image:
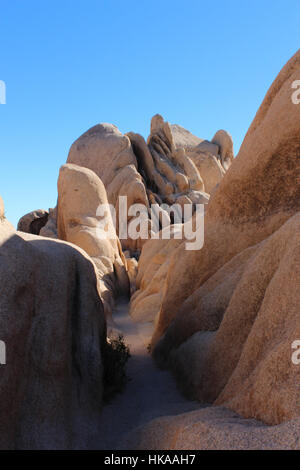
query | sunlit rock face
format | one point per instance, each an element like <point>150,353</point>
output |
<point>80,194</point>
<point>167,169</point>
<point>33,222</point>
<point>107,152</point>
<point>229,312</point>
<point>53,326</point>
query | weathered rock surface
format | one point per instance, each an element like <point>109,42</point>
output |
<point>33,222</point>
<point>225,144</point>
<point>184,138</point>
<point>109,154</point>
<point>151,276</point>
<point>80,193</point>
<point>132,271</point>
<point>214,428</point>
<point>167,170</point>
<point>152,173</point>
<point>173,164</point>
<point>209,167</point>
<point>212,158</point>
<point>50,229</point>
<point>53,325</point>
<point>229,311</point>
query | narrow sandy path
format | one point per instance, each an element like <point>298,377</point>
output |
<point>150,392</point>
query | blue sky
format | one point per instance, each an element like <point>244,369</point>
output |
<point>69,65</point>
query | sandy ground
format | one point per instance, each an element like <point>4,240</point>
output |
<point>150,392</point>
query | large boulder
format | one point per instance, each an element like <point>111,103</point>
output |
<point>33,222</point>
<point>212,428</point>
<point>53,326</point>
<point>211,158</point>
<point>229,312</point>
<point>80,194</point>
<point>209,167</point>
<point>167,170</point>
<point>183,138</point>
<point>156,172</point>
<point>50,228</point>
<point>172,163</point>
<point>225,144</point>
<point>170,175</point>
<point>151,275</point>
<point>106,151</point>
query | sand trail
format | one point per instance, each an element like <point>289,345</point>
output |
<point>150,392</point>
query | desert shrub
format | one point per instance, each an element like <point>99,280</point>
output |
<point>116,355</point>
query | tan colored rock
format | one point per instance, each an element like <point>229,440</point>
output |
<point>190,151</point>
<point>132,270</point>
<point>147,167</point>
<point>52,322</point>
<point>107,152</point>
<point>225,143</point>
<point>208,147</point>
<point>258,370</point>
<point>170,162</point>
<point>209,167</point>
<point>151,276</point>
<point>230,309</point>
<point>80,193</point>
<point>213,428</point>
<point>170,175</point>
<point>50,229</point>
<point>33,222</point>
<point>129,167</point>
<point>1,208</point>
<point>184,138</point>
<point>193,176</point>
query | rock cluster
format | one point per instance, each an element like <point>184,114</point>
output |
<point>33,222</point>
<point>53,325</point>
<point>227,315</point>
<point>102,166</point>
<point>173,167</point>
<point>223,317</point>
<point>77,223</point>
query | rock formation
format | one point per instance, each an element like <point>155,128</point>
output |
<point>229,312</point>
<point>33,222</point>
<point>78,223</point>
<point>212,158</point>
<point>213,428</point>
<point>108,153</point>
<point>50,229</point>
<point>53,326</point>
<point>156,172</point>
<point>183,138</point>
<point>150,279</point>
<point>223,317</point>
<point>225,144</point>
<point>173,167</point>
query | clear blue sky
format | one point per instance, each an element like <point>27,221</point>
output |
<point>69,65</point>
